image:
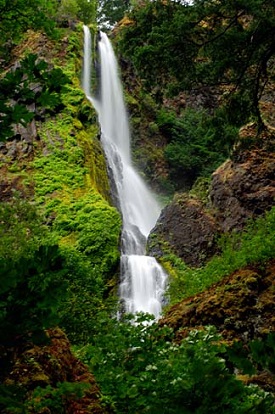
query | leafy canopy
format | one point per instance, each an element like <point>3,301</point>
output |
<point>197,143</point>
<point>174,43</point>
<point>20,15</point>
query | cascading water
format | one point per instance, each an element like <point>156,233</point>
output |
<point>142,278</point>
<point>86,81</point>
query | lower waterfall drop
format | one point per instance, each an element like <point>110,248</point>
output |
<point>143,281</point>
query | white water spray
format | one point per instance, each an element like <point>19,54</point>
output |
<point>142,278</point>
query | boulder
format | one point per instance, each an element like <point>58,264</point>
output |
<point>188,230</point>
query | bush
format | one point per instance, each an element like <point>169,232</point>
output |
<point>140,370</point>
<point>198,143</point>
<point>32,271</point>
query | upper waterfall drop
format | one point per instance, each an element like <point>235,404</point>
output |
<point>87,64</point>
<point>142,278</point>
<point>137,204</point>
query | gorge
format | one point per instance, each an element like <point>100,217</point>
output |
<point>196,137</point>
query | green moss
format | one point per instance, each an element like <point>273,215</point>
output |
<point>72,189</point>
<point>200,189</point>
<point>94,161</point>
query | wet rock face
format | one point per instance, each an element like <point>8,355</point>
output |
<point>188,230</point>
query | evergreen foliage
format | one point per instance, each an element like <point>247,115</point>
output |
<point>18,16</point>
<point>197,144</point>
<point>111,11</point>
<point>171,42</point>
<point>82,10</point>
<point>177,49</point>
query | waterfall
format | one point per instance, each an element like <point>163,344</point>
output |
<point>86,81</point>
<point>142,278</point>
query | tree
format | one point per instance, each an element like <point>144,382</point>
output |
<point>195,147</point>
<point>111,11</point>
<point>83,10</point>
<point>183,46</point>
<point>87,10</point>
<point>245,29</point>
<point>68,9</point>
<point>18,16</point>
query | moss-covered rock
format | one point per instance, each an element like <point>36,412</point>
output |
<point>241,307</point>
<point>57,163</point>
<point>50,377</point>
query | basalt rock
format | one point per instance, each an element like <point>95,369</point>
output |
<point>187,228</point>
<point>242,188</point>
<point>241,306</point>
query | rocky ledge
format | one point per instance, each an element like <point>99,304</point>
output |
<point>241,307</point>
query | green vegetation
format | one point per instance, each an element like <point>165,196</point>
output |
<point>59,249</point>
<point>141,370</point>
<point>111,11</point>
<point>181,47</point>
<point>18,85</point>
<point>49,398</point>
<point>18,16</point>
<point>105,12</point>
<point>255,245</point>
<point>82,10</point>
<point>32,273</point>
<point>71,192</point>
<point>177,52</point>
<point>55,398</point>
<point>194,146</point>
<point>71,187</point>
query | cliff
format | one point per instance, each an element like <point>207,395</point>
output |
<point>53,191</point>
<point>241,304</point>
<point>241,189</point>
<point>54,188</point>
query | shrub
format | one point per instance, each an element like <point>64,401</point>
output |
<point>140,370</point>
<point>32,271</point>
